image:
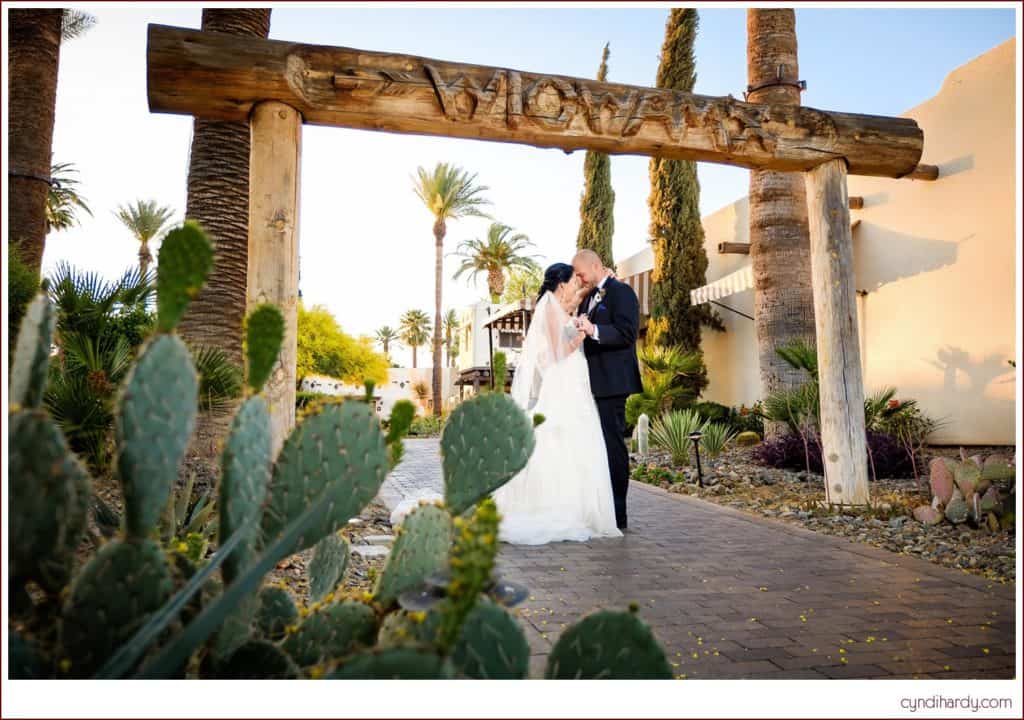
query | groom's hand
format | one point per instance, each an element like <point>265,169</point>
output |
<point>584,324</point>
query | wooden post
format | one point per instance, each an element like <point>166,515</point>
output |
<point>844,453</point>
<point>274,243</point>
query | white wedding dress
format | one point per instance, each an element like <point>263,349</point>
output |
<point>564,492</point>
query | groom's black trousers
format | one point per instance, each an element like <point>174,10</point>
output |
<point>612,411</point>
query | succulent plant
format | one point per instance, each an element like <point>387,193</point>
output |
<point>964,491</point>
<point>941,478</point>
<point>32,355</point>
<point>184,262</point>
<point>24,659</point>
<point>420,549</point>
<point>957,511</point>
<point>404,628</point>
<point>327,568</point>
<point>393,664</point>
<point>258,660</point>
<point>276,612</point>
<point>470,564</point>
<point>331,632</point>
<point>927,515</point>
<point>264,333</point>
<point>491,646</point>
<point>486,441</point>
<point>607,645</point>
<point>747,438</point>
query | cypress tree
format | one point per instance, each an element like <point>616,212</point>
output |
<point>677,236</point>
<point>597,205</point>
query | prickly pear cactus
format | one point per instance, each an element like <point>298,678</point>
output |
<point>491,646</point>
<point>276,612</point>
<point>404,628</point>
<point>420,549</point>
<point>486,441</point>
<point>336,456</point>
<point>927,515</point>
<point>957,511</point>
<point>608,645</point>
<point>990,501</point>
<point>471,563</point>
<point>110,599</point>
<point>941,478</point>
<point>50,494</point>
<point>264,334</point>
<point>967,475</point>
<point>258,660</point>
<point>32,355</point>
<point>327,568</point>
<point>157,411</point>
<point>245,474</point>
<point>24,659</point>
<point>393,664</point>
<point>332,632</point>
<point>183,264</point>
<point>997,468</point>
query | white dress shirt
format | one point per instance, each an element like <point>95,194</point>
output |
<point>593,304</point>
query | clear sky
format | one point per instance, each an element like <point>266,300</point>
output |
<point>365,239</point>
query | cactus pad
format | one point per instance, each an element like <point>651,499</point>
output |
<point>156,414</point>
<point>957,511</point>
<point>927,515</point>
<point>24,660</point>
<point>264,332</point>
<point>402,628</point>
<point>50,492</point>
<point>608,645</point>
<point>336,456</point>
<point>258,660</point>
<point>332,632</point>
<point>967,475</point>
<point>393,664</point>
<point>245,474</point>
<point>420,550</point>
<point>486,441</point>
<point>327,568</point>
<point>184,262</point>
<point>941,478</point>
<point>32,354</point>
<point>276,612</point>
<point>491,645</point>
<point>997,468</point>
<point>110,599</point>
<point>990,501</point>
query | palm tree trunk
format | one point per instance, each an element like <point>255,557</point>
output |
<point>779,239</point>
<point>32,61</point>
<point>496,284</point>
<point>439,232</point>
<point>145,258</point>
<point>414,357</point>
<point>218,198</point>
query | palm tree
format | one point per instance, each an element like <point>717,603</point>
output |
<point>63,201</point>
<point>502,251</point>
<point>451,329</point>
<point>779,238</point>
<point>218,199</point>
<point>33,59</point>
<point>450,193</point>
<point>415,330</point>
<point>32,62</point>
<point>387,336</point>
<point>146,220</point>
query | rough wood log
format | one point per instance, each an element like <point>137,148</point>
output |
<point>923,172</point>
<point>274,243</point>
<point>841,388</point>
<point>221,77</point>
<point>856,202</point>
<point>733,248</point>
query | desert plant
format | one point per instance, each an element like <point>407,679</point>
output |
<point>500,371</point>
<point>63,201</point>
<point>664,370</point>
<point>146,220</point>
<point>415,331</point>
<point>672,431</point>
<point>981,491</point>
<point>715,437</point>
<point>502,252</point>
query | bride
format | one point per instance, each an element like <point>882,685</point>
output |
<point>564,492</point>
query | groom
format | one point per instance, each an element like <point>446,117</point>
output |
<point>610,317</point>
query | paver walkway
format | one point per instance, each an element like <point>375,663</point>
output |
<point>732,595</point>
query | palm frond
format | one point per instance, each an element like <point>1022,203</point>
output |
<point>800,355</point>
<point>63,201</point>
<point>220,380</point>
<point>145,219</point>
<point>449,192</point>
<point>75,23</point>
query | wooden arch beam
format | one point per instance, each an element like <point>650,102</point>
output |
<point>221,77</point>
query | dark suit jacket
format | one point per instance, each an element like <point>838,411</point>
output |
<point>614,370</point>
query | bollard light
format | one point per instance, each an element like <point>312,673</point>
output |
<point>695,437</point>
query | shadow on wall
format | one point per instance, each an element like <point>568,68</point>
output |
<point>953,360</point>
<point>905,255</point>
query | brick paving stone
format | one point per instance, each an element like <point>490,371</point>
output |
<point>696,569</point>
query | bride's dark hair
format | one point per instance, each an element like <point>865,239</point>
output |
<point>554,276</point>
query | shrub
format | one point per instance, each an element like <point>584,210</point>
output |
<point>789,452</point>
<point>748,419</point>
<point>715,437</point>
<point>713,412</point>
<point>671,432</point>
<point>427,426</point>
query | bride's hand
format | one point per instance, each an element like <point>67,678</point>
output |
<point>577,341</point>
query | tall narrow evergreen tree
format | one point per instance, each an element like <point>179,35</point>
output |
<point>680,262</point>
<point>597,205</point>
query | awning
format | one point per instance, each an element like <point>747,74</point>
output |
<point>742,279</point>
<point>514,317</point>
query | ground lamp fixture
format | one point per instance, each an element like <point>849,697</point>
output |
<point>695,437</point>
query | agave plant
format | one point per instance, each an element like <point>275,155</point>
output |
<point>672,431</point>
<point>663,369</point>
<point>714,438</point>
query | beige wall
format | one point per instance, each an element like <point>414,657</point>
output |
<point>937,260</point>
